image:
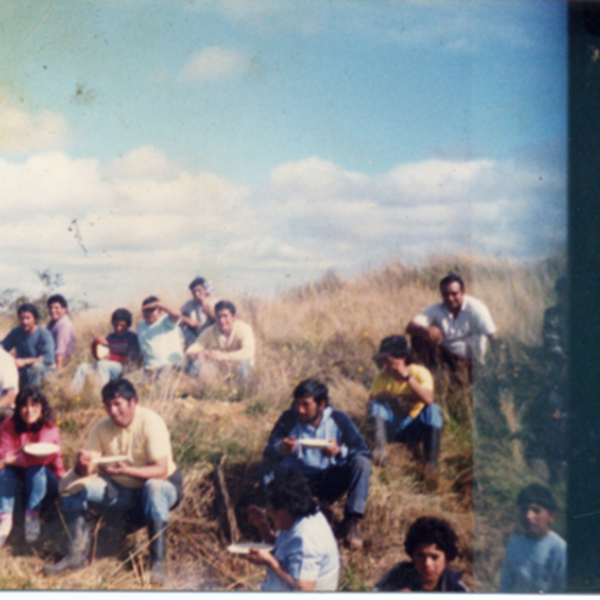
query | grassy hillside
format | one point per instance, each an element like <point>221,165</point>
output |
<point>330,330</point>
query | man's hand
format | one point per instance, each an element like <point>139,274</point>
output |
<point>100,340</point>
<point>120,468</point>
<point>216,355</point>
<point>83,464</point>
<point>288,445</point>
<point>332,450</point>
<point>25,362</point>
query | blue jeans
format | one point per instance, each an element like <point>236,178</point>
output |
<point>328,485</point>
<point>33,374</point>
<point>155,498</point>
<point>406,429</point>
<point>40,482</point>
<point>106,370</point>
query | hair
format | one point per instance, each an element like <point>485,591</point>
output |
<point>312,388</point>
<point>30,308</point>
<point>121,314</point>
<point>197,281</point>
<point>536,493</point>
<point>38,397</point>
<point>452,278</point>
<point>396,346</point>
<point>118,387</point>
<point>225,305</point>
<point>431,530</point>
<point>289,489</point>
<point>57,298</point>
<point>149,300</point>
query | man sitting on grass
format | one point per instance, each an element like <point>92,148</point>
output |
<point>160,338</point>
<point>123,352</point>
<point>229,342</point>
<point>62,330</point>
<point>338,465</point>
<point>536,560</point>
<point>34,347</point>
<point>198,313</point>
<point>431,544</point>
<point>459,326</point>
<point>402,407</point>
<point>145,485</point>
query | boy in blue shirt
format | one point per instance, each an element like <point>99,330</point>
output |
<point>535,561</point>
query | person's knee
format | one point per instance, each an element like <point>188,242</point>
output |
<point>360,462</point>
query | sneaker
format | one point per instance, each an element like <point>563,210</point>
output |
<point>6,522</point>
<point>32,527</point>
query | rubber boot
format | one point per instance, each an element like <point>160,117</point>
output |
<point>431,446</point>
<point>79,547</point>
<point>349,529</point>
<point>380,452</point>
<point>157,532</point>
<point>431,450</point>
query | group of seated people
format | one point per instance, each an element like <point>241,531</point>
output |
<point>314,455</point>
<point>204,338</point>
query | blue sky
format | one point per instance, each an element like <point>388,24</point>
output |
<point>262,143</point>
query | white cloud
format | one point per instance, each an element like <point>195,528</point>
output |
<point>214,63</point>
<point>21,132</point>
<point>147,223</point>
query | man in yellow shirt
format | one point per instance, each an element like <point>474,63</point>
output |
<point>402,407</point>
<point>228,343</point>
<point>142,484</point>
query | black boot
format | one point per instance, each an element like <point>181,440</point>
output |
<point>349,530</point>
<point>431,446</point>
<point>380,453</point>
<point>79,547</point>
<point>157,533</point>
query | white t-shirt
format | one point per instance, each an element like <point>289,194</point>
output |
<point>161,343</point>
<point>9,376</point>
<point>466,335</point>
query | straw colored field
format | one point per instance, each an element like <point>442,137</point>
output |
<point>330,330</point>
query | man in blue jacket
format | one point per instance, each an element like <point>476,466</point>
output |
<point>324,444</point>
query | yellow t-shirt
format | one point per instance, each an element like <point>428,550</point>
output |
<point>384,382</point>
<point>145,440</point>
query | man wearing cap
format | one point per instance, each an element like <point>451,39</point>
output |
<point>402,407</point>
<point>460,326</point>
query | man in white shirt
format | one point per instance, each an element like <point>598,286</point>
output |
<point>460,326</point>
<point>9,381</point>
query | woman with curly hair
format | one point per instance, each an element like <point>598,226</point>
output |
<point>31,423</point>
<point>431,543</point>
<point>305,556</point>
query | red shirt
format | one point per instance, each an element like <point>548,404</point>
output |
<point>11,442</point>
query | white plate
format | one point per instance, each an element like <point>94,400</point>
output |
<point>244,547</point>
<point>314,443</point>
<point>106,460</point>
<point>101,351</point>
<point>41,449</point>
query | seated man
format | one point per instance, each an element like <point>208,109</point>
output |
<point>147,484</point>
<point>34,347</point>
<point>123,348</point>
<point>9,381</point>
<point>161,340</point>
<point>62,330</point>
<point>199,312</point>
<point>341,464</point>
<point>401,405</point>
<point>229,342</point>
<point>431,544</point>
<point>460,325</point>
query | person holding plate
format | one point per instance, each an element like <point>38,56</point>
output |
<point>327,448</point>
<point>30,453</point>
<point>139,482</point>
<point>305,554</point>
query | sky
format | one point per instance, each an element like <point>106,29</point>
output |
<point>261,144</point>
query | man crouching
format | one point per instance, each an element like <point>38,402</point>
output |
<point>146,483</point>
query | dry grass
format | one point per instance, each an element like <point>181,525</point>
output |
<point>329,329</point>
